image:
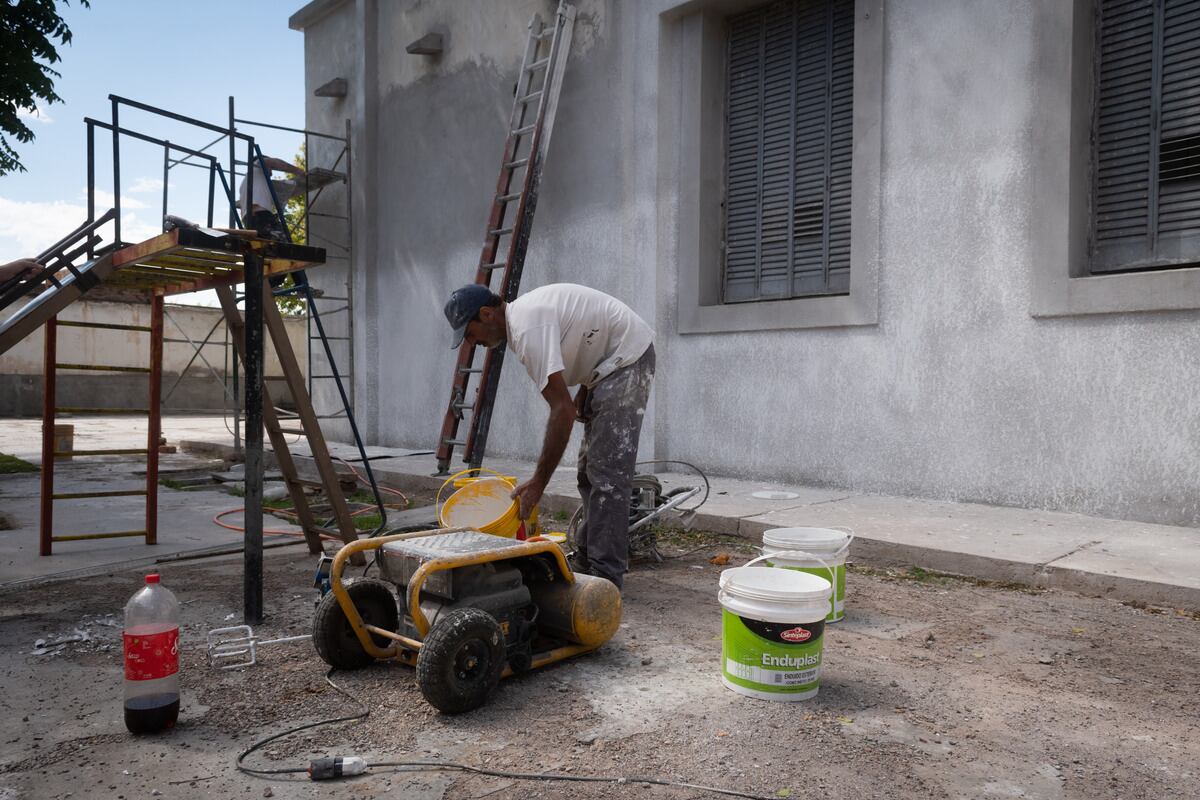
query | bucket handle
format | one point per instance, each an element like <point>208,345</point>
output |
<point>813,556</point>
<point>844,549</point>
<point>437,502</point>
<point>841,551</point>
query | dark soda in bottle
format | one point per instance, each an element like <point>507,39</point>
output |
<point>151,645</point>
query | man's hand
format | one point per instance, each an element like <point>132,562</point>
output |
<point>22,267</point>
<point>558,432</point>
<point>581,398</point>
<point>527,496</point>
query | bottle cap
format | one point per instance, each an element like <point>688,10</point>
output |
<point>152,578</point>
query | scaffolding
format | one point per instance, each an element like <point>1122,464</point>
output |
<point>330,160</point>
<point>185,258</point>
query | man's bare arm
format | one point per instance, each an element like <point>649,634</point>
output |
<point>282,166</point>
<point>558,433</point>
<point>23,267</point>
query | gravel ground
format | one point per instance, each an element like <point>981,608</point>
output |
<point>933,688</point>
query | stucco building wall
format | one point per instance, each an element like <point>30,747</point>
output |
<point>960,387</point>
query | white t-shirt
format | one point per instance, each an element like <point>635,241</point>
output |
<point>262,193</point>
<point>585,333</point>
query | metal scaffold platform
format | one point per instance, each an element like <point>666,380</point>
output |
<point>184,258</point>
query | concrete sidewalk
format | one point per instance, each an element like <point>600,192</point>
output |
<point>1129,561</point>
<point>185,518</point>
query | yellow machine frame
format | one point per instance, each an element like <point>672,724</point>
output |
<point>404,649</point>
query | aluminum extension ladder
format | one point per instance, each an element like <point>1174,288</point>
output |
<point>529,126</point>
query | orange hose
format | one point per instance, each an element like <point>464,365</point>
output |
<point>291,513</point>
<point>242,509</point>
<point>382,488</point>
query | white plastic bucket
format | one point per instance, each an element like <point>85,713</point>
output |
<point>772,631</point>
<point>827,546</point>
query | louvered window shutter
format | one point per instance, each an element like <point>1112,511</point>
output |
<point>789,139</point>
<point>1146,164</point>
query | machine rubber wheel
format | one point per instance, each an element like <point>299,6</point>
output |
<point>332,635</point>
<point>461,660</point>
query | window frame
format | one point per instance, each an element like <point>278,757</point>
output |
<point>821,262</point>
<point>1060,183</point>
<point>1153,250</point>
<point>691,178</point>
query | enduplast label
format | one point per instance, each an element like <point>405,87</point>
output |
<point>771,657</point>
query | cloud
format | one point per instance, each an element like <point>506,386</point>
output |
<point>36,114</point>
<point>106,200</point>
<point>144,184</point>
<point>28,227</point>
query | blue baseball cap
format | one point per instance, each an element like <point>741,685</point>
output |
<point>463,307</point>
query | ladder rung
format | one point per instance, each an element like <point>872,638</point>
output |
<point>111,535</point>
<point>500,232</point>
<point>531,95</point>
<point>299,431</point>
<point>74,410</point>
<point>324,377</point>
<point>331,338</point>
<point>83,495</point>
<point>525,130</point>
<point>68,453</point>
<point>520,162</point>
<point>508,197</point>
<point>108,326</point>
<point>102,367</point>
<point>492,266</point>
<point>469,370</point>
<point>547,32</point>
<point>461,406</point>
<point>541,62</point>
<point>454,442</point>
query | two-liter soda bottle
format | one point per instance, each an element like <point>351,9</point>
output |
<point>151,640</point>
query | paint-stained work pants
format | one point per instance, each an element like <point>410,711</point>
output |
<point>614,411</point>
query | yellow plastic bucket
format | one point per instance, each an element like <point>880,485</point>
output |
<point>484,503</point>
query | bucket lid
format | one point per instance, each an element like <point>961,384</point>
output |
<point>805,538</point>
<point>773,583</point>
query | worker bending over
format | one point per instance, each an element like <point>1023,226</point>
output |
<point>568,335</point>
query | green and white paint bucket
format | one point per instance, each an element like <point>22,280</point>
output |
<point>819,549</point>
<point>772,631</point>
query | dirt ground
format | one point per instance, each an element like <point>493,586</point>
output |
<point>932,688</point>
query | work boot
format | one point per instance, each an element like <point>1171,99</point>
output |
<point>578,562</point>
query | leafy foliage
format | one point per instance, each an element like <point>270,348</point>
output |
<point>292,304</point>
<point>30,32</point>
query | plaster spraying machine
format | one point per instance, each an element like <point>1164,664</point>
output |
<point>473,608</point>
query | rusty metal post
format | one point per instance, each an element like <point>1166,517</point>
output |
<point>48,405</point>
<point>116,165</point>
<point>252,578</point>
<point>91,183</point>
<point>154,393</point>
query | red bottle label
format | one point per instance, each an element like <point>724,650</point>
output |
<point>149,656</point>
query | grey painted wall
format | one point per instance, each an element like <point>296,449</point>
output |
<point>957,391</point>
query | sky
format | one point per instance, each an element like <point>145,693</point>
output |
<point>181,56</point>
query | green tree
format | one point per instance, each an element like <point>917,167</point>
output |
<point>293,212</point>
<point>30,32</point>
